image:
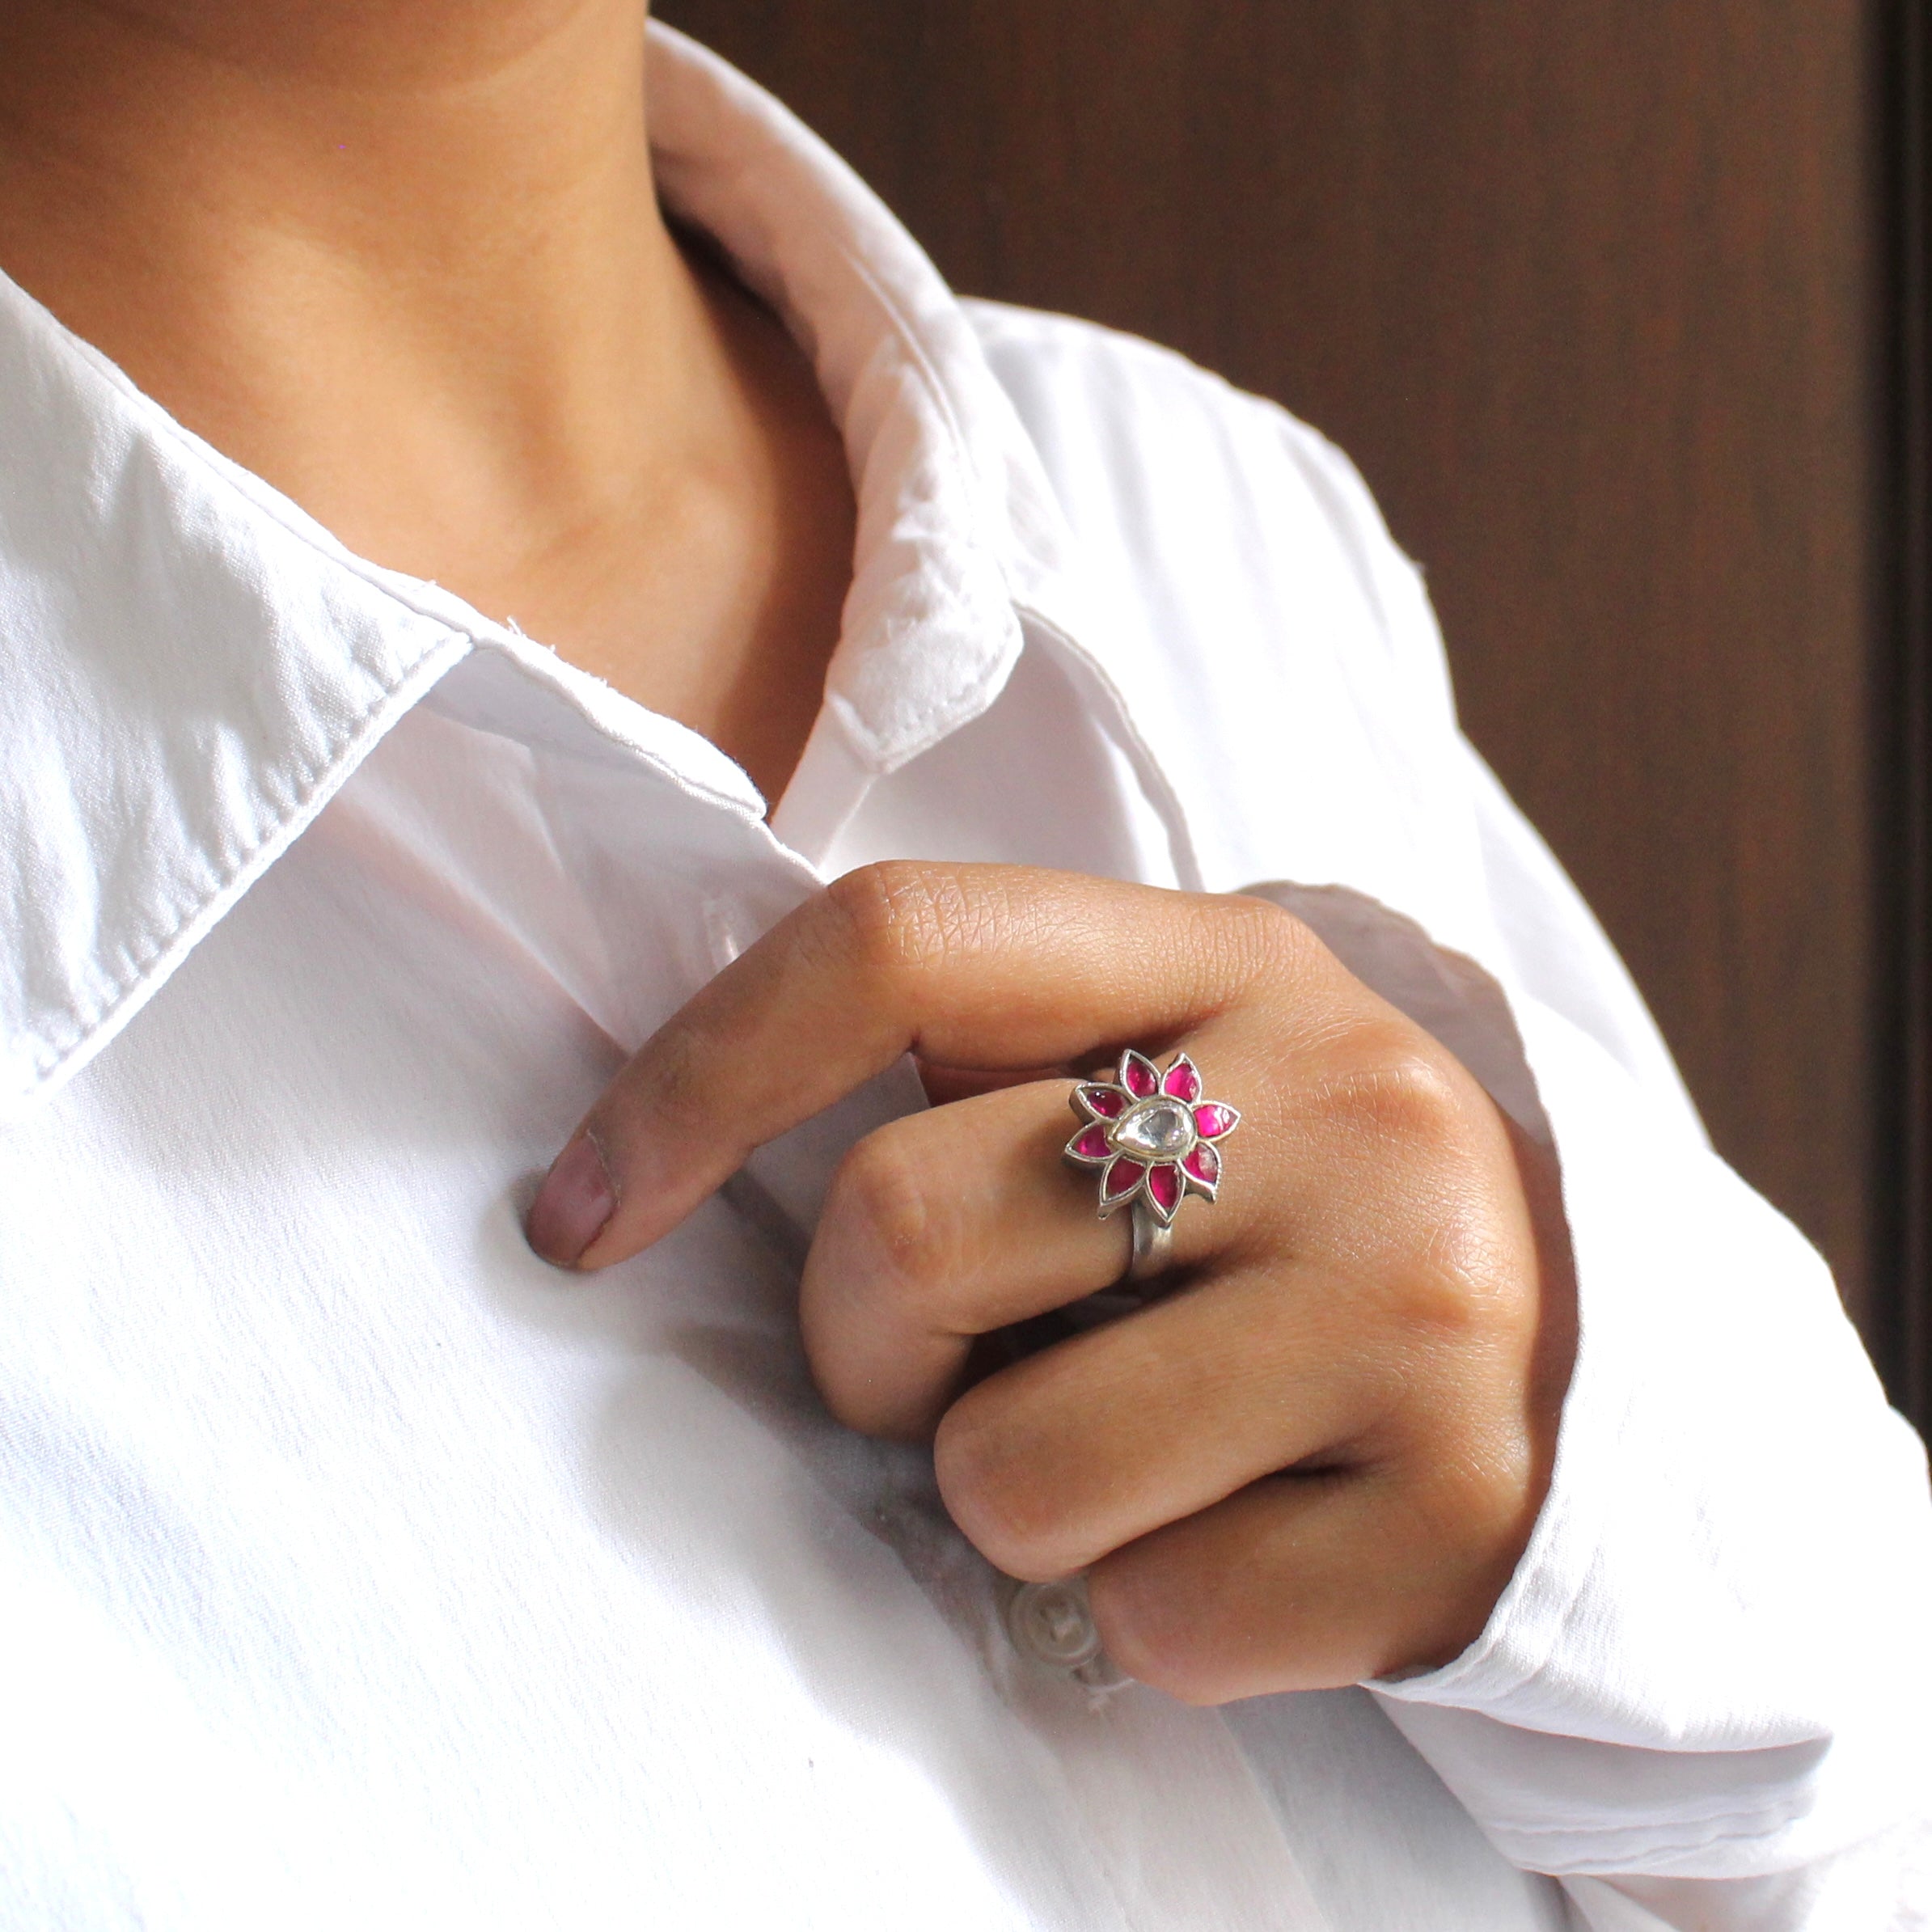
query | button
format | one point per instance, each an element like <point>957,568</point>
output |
<point>1051,1624</point>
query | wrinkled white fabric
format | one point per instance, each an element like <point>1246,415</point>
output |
<point>355,1569</point>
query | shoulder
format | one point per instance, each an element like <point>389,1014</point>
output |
<point>1248,532</point>
<point>1269,641</point>
<point>1062,370</point>
<point>1210,498</point>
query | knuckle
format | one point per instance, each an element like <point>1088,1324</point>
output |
<point>900,916</point>
<point>1425,1183</point>
<point>1459,1288</point>
<point>1147,1631</point>
<point>1439,1307</point>
<point>1395,1087</point>
<point>1477,1495</point>
<point>1455,1295</point>
<point>1262,941</point>
<point>897,1238</point>
<point>1178,1671</point>
<point>671,1080</point>
<point>999,1490</point>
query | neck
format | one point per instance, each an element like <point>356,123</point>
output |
<point>407,265</point>
<point>218,192</point>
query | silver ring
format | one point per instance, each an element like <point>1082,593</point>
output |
<point>1155,1140</point>
<point>1152,1244</point>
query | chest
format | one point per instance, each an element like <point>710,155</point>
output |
<point>555,1598</point>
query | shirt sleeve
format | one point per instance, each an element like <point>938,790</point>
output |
<point>1703,1699</point>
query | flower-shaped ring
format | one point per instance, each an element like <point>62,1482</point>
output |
<point>1154,1141</point>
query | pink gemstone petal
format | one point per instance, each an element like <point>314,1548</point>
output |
<point>1212,1120</point>
<point>1107,1103</point>
<point>1139,1075</point>
<point>1182,1082</point>
<point>1091,1144</point>
<point>1164,1188</point>
<point>1121,1179</point>
<point>1204,1163</point>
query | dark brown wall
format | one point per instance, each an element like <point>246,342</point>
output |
<point>1588,291</point>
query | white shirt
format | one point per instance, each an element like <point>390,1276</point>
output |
<point>356,1569</point>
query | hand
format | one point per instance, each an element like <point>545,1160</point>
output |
<point>1318,1460</point>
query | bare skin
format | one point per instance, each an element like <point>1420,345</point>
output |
<point>1319,1458</point>
<point>406,263</point>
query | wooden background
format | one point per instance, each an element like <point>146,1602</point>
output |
<point>1603,299</point>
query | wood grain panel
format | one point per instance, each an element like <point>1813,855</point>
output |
<point>1589,292</point>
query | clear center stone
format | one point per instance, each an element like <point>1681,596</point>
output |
<point>1156,1130</point>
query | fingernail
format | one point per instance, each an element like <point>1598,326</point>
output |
<point>572,1205</point>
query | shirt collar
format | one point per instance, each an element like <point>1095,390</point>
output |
<point>193,666</point>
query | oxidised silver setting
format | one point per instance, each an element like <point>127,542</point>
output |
<point>1154,1138</point>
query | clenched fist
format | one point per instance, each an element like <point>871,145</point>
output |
<point>1317,1457</point>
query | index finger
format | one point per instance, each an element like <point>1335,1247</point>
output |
<point>981,967</point>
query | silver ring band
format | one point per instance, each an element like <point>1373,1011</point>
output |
<point>1153,1243</point>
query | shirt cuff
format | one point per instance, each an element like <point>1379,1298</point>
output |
<point>1709,1662</point>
